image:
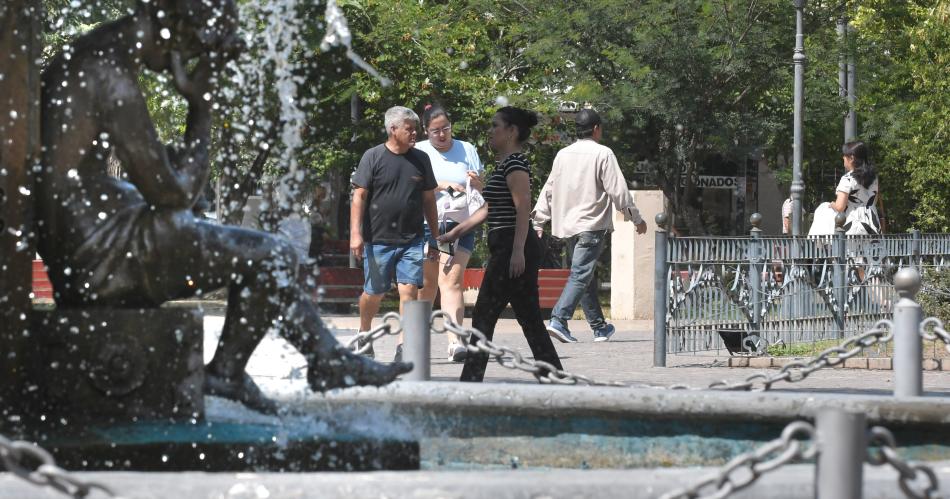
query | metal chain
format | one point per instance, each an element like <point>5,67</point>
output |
<point>13,455</point>
<point>932,328</point>
<point>745,469</point>
<point>798,370</point>
<point>544,372</point>
<point>910,473</point>
<point>362,342</point>
<point>792,372</point>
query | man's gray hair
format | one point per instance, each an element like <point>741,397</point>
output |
<point>397,115</point>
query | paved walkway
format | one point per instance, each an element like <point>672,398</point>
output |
<point>627,357</point>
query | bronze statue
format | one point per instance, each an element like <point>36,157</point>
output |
<point>114,243</point>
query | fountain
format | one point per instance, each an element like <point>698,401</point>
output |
<point>106,382</point>
<point>108,359</point>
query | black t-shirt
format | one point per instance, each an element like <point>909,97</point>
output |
<point>501,206</point>
<point>395,183</point>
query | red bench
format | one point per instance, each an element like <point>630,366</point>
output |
<point>344,285</point>
<point>42,288</point>
<point>550,283</point>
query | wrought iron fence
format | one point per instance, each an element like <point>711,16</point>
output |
<point>741,294</point>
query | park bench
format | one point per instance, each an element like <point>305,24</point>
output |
<point>342,285</point>
<point>42,287</point>
<point>550,284</point>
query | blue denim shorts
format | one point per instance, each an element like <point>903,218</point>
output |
<point>465,243</point>
<point>384,263</point>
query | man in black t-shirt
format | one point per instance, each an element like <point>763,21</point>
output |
<point>393,188</point>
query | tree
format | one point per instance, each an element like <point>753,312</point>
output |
<point>904,101</point>
<point>681,83</point>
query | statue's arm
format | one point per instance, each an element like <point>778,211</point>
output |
<point>168,181</point>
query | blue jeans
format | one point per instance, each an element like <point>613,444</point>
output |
<point>383,263</point>
<point>582,285</point>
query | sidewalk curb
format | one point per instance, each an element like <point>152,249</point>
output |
<point>869,363</point>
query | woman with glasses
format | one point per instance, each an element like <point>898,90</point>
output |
<point>511,275</point>
<point>457,167</point>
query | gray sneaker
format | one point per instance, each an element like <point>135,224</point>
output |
<point>604,333</point>
<point>371,353</point>
<point>457,352</point>
<point>560,333</point>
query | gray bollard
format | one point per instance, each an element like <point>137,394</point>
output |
<point>908,371</point>
<point>417,334</point>
<point>842,447</point>
<point>660,286</point>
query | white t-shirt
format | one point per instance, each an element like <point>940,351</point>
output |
<point>452,165</point>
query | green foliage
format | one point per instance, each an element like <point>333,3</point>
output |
<point>934,296</point>
<point>904,100</point>
<point>682,84</point>
<point>801,349</point>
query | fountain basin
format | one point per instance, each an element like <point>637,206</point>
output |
<point>500,426</point>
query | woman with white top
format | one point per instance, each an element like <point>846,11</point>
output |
<point>457,167</point>
<point>857,191</point>
<point>855,196</point>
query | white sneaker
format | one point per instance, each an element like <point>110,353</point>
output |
<point>457,352</point>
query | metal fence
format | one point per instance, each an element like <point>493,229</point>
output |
<point>741,294</point>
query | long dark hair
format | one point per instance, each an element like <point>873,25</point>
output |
<point>863,171</point>
<point>521,118</point>
<point>431,112</point>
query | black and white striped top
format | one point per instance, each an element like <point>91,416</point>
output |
<point>501,206</point>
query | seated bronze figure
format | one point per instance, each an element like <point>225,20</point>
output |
<point>113,243</point>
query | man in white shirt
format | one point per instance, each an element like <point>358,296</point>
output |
<point>787,216</point>
<point>585,180</point>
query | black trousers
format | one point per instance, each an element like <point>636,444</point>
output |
<point>498,290</point>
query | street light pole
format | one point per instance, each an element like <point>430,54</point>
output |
<point>798,187</point>
<point>851,127</point>
<point>842,29</point>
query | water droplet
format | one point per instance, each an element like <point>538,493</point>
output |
<point>13,115</point>
<point>102,215</point>
<point>165,33</point>
<point>23,190</point>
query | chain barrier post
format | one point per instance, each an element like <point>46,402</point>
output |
<point>842,445</point>
<point>660,287</point>
<point>840,278</point>
<point>416,325</point>
<point>755,272</point>
<point>908,372</point>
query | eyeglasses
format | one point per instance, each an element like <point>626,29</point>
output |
<point>440,131</point>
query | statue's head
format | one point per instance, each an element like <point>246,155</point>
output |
<point>197,26</point>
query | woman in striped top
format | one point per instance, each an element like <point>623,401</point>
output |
<point>511,275</point>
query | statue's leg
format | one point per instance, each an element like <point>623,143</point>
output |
<point>260,273</point>
<point>264,292</point>
<point>330,364</point>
